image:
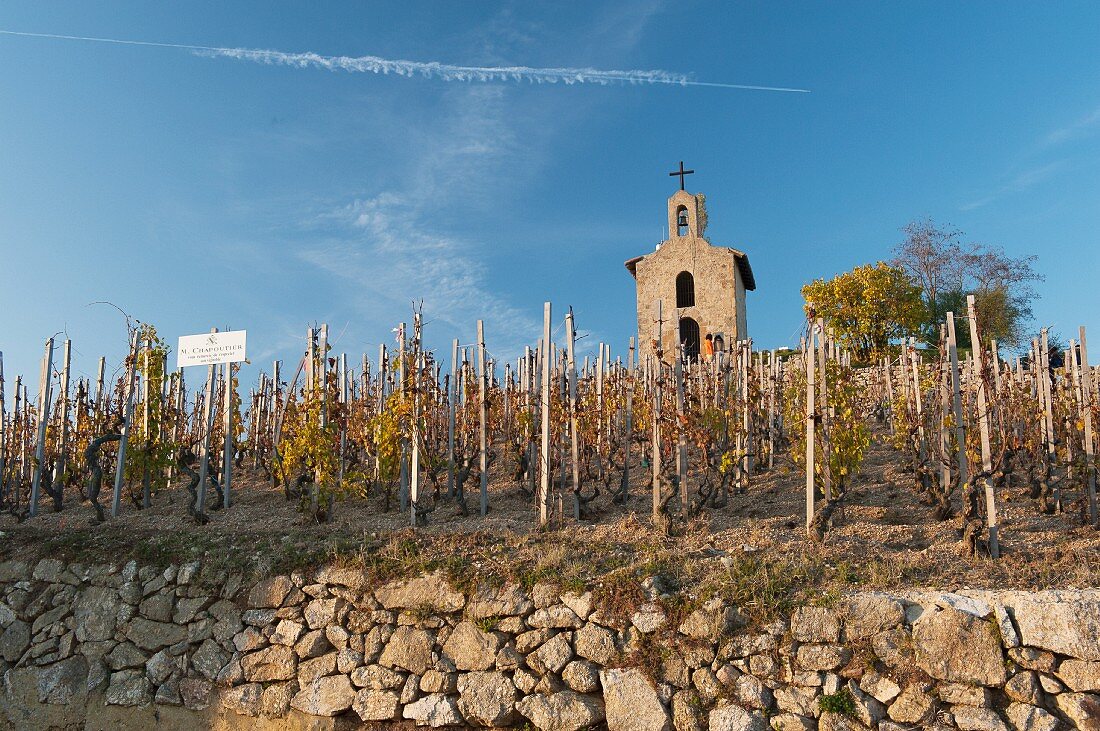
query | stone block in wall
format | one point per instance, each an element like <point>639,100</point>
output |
<point>1080,675</point>
<point>487,698</point>
<point>425,592</point>
<point>1032,658</point>
<point>815,624</point>
<point>735,718</point>
<point>954,645</point>
<point>1060,623</point>
<point>434,710</point>
<point>94,613</point>
<point>1024,687</point>
<point>1024,717</point>
<point>823,657</point>
<point>410,649</point>
<point>631,702</point>
<point>596,643</point>
<point>687,711</point>
<point>552,655</point>
<point>471,647</point>
<point>564,711</point>
<point>15,640</point>
<point>913,705</point>
<point>125,655</point>
<point>866,615</point>
<point>1082,709</point>
<point>502,601</point>
<point>792,722</point>
<point>244,699</point>
<point>276,699</point>
<point>557,616</point>
<point>973,718</point>
<point>963,694</point>
<point>376,705</point>
<point>128,688</point>
<point>64,681</point>
<point>327,696</point>
<point>277,662</point>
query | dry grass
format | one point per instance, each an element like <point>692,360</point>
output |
<point>752,551</point>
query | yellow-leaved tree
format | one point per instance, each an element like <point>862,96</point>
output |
<point>867,307</point>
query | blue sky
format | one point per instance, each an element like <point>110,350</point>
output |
<point>197,192</point>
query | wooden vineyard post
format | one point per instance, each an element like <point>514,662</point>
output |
<point>918,402</point>
<point>63,440</point>
<point>345,399</point>
<point>681,438</point>
<point>655,459</point>
<point>403,454</point>
<point>311,355</point>
<point>19,415</point>
<point>1090,463</point>
<point>600,414</point>
<point>886,367</point>
<point>451,395</point>
<point>771,371</point>
<point>956,399</point>
<point>483,418</point>
<point>146,412</point>
<point>628,380</point>
<point>747,462</point>
<point>823,411</point>
<point>983,426</point>
<point>43,418</point>
<point>994,353</point>
<point>506,393</point>
<point>229,442</point>
<point>571,366</point>
<point>944,381</point>
<point>127,422</point>
<point>99,407</point>
<point>414,458</point>
<point>20,445</point>
<point>544,404</point>
<point>532,385</point>
<point>208,427</point>
<point>322,349</point>
<point>811,423</point>
<point>1048,414</point>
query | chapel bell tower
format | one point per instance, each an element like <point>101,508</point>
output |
<point>688,287</point>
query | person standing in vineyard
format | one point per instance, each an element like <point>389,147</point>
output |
<point>708,347</point>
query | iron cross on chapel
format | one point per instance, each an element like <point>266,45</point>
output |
<point>681,173</point>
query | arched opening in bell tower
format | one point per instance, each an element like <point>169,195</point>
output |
<point>683,227</point>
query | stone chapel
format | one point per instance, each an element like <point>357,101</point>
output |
<point>698,287</point>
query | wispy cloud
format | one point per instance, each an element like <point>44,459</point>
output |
<point>1019,182</point>
<point>430,69</point>
<point>1079,128</point>
<point>391,257</point>
<point>395,246</point>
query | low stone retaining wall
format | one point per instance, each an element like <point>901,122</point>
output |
<point>135,647</point>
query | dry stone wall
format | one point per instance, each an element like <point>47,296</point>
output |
<point>140,647</point>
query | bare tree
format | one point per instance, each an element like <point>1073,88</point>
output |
<point>947,269</point>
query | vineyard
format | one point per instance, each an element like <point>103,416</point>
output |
<point>925,446</point>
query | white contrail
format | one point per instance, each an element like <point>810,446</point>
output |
<point>431,70</point>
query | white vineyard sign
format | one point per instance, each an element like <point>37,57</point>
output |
<point>211,348</point>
